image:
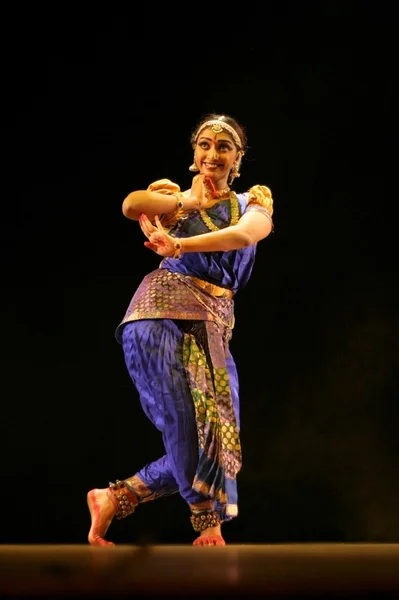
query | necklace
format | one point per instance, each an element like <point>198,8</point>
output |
<point>214,194</point>
<point>234,216</point>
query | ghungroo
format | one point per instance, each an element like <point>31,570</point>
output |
<point>125,501</point>
<point>202,521</point>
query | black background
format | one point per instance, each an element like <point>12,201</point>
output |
<point>99,102</point>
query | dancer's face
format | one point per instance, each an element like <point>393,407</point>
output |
<point>215,154</point>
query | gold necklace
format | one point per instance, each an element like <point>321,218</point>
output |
<point>235,214</point>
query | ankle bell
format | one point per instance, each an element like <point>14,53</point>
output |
<point>124,499</point>
<point>202,521</point>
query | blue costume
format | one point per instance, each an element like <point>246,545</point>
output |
<point>175,338</point>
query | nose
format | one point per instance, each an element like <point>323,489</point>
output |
<point>213,154</point>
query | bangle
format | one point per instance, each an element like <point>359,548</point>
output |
<point>179,202</point>
<point>178,249</point>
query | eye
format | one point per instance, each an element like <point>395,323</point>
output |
<point>224,147</point>
<point>203,145</point>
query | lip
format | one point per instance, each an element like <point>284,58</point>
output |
<point>211,164</point>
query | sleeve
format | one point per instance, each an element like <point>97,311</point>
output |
<point>164,186</point>
<point>167,187</point>
<point>260,199</point>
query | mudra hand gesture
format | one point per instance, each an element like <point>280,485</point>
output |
<point>158,240</point>
<point>200,194</point>
<point>199,186</point>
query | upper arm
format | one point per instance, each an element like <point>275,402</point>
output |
<point>144,201</point>
<point>255,226</point>
<point>256,221</point>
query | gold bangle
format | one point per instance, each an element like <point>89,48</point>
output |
<point>178,249</point>
<point>179,202</point>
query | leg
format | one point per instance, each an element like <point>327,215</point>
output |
<point>211,535</point>
<point>153,355</point>
<point>120,500</point>
<point>155,479</point>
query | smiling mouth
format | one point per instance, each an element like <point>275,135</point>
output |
<point>210,165</point>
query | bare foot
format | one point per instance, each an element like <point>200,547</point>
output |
<point>102,511</point>
<point>212,536</point>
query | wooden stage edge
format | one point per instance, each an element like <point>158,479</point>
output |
<point>277,570</point>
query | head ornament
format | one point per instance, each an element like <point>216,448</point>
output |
<point>217,126</point>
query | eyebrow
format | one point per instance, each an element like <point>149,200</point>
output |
<point>218,141</point>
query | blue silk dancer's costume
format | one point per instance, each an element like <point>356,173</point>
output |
<point>175,337</point>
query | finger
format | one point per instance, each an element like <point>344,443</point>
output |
<point>198,179</point>
<point>150,224</point>
<point>208,181</point>
<point>142,225</point>
<point>158,249</point>
<point>143,229</point>
<point>145,221</point>
<point>150,246</point>
<point>146,225</point>
<point>158,224</point>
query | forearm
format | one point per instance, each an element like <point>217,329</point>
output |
<point>149,203</point>
<point>154,203</point>
<point>230,238</point>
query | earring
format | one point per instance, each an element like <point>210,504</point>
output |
<point>193,167</point>
<point>234,173</point>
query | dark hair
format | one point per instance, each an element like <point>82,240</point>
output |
<point>227,119</point>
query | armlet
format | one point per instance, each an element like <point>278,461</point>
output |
<point>260,195</point>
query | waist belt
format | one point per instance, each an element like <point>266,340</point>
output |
<point>212,289</point>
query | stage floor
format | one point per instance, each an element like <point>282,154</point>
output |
<point>282,570</point>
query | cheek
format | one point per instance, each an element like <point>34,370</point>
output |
<point>232,161</point>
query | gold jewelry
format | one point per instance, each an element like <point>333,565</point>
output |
<point>235,214</point>
<point>204,520</point>
<point>234,172</point>
<point>178,249</point>
<point>125,501</point>
<point>216,194</point>
<point>218,126</point>
<point>193,167</point>
<point>217,317</point>
<point>179,201</point>
<point>212,288</point>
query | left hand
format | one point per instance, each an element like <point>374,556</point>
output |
<point>158,240</point>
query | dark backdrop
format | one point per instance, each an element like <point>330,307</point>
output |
<point>99,102</point>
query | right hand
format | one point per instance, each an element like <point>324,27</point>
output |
<point>197,199</point>
<point>158,239</point>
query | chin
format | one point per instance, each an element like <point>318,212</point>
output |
<point>212,175</point>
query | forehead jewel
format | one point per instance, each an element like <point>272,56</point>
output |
<point>219,126</point>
